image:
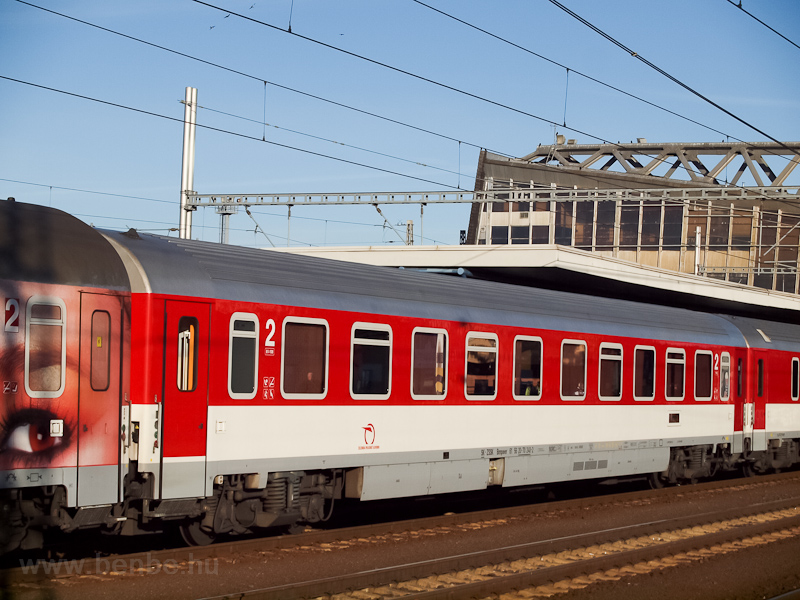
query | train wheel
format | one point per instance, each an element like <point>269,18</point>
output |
<point>656,481</point>
<point>194,535</point>
<point>748,470</point>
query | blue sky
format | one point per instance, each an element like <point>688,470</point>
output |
<point>57,141</point>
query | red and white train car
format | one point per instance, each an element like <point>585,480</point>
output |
<point>151,380</point>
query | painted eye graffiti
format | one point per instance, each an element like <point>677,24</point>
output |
<point>31,437</point>
<point>27,432</point>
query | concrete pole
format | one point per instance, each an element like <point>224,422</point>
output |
<point>187,166</point>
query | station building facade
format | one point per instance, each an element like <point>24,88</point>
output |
<point>627,201</point>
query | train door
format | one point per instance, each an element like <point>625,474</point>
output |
<point>99,398</point>
<point>185,397</point>
<point>760,397</point>
<point>744,409</point>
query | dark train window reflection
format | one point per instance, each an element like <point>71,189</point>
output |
<point>703,376</point>
<point>243,356</point>
<point>481,369</point>
<point>187,354</point>
<point>527,368</point>
<point>429,359</point>
<point>573,370</point>
<point>610,372</point>
<point>644,373</point>
<point>101,351</point>
<point>305,348</point>
<point>371,361</point>
<point>45,347</point>
<point>676,374</point>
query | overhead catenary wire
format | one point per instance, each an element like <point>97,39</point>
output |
<point>402,71</point>
<point>567,68</point>
<point>752,16</point>
<point>174,119</point>
<point>324,139</point>
<point>172,202</point>
<point>58,187</point>
<point>487,100</point>
<point>227,132</point>
<point>423,130</point>
<point>264,81</point>
<point>335,158</point>
<point>661,71</point>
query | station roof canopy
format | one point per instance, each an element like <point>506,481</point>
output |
<point>569,269</point>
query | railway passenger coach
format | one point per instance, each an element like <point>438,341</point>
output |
<point>150,381</point>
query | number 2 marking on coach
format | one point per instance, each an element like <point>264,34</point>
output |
<point>12,315</point>
<point>270,325</point>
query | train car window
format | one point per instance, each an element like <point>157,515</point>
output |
<point>527,368</point>
<point>187,354</point>
<point>644,373</point>
<point>304,359</point>
<point>480,382</point>
<point>243,356</point>
<point>795,379</point>
<point>724,376</point>
<point>610,375</point>
<point>739,377</point>
<point>429,364</point>
<point>45,347</point>
<point>676,374</point>
<point>760,377</point>
<point>100,358</point>
<point>703,375</point>
<point>370,361</point>
<point>573,370</point>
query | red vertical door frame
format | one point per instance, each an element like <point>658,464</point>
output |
<point>760,400</point>
<point>185,410</point>
<point>101,339</point>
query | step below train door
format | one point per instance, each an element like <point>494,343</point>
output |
<point>185,399</point>
<point>100,398</point>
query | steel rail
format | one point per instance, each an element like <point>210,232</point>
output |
<point>237,547</point>
<point>384,576</point>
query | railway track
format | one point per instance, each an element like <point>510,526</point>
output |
<point>605,554</point>
<point>548,567</point>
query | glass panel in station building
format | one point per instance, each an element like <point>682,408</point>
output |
<point>584,224</point>
<point>741,231</point>
<point>698,217</point>
<point>651,224</point>
<point>629,225</point>
<point>499,234</point>
<point>673,226</point>
<point>540,234</point>
<point>606,217</point>
<point>519,234</point>
<point>787,254</point>
<point>720,228</point>
<point>563,234</point>
<point>767,255</point>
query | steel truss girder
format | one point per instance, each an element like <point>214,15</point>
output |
<point>645,158</point>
